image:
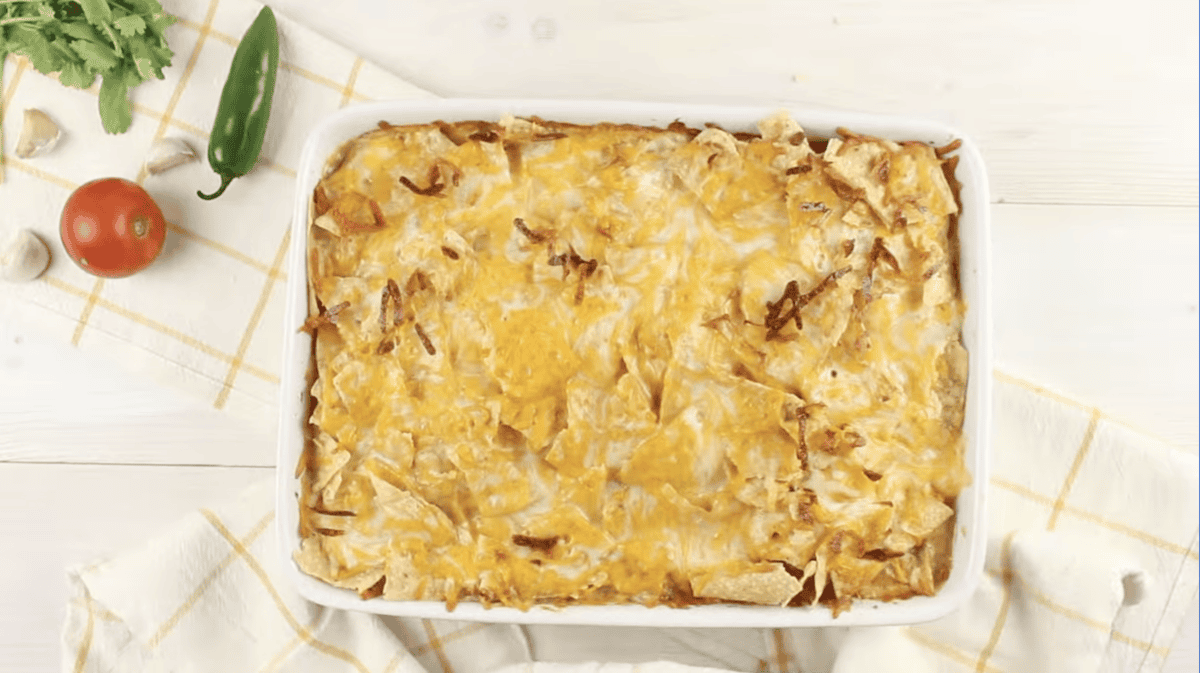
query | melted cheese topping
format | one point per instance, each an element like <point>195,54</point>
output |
<point>560,364</point>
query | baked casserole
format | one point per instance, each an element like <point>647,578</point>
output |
<point>573,364</point>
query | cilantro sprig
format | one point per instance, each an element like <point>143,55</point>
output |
<point>121,41</point>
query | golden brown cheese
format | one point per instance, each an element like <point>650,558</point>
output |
<point>591,364</point>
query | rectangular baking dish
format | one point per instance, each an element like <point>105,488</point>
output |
<point>970,534</point>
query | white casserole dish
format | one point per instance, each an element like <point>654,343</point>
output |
<point>970,535</point>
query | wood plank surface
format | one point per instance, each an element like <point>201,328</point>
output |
<point>1071,101</point>
<point>57,405</point>
<point>1100,304</point>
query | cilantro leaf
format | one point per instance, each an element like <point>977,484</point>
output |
<point>130,25</point>
<point>112,37</point>
<point>98,57</point>
<point>97,12</point>
<point>82,31</point>
<point>143,7</point>
<point>121,40</point>
<point>159,22</point>
<point>156,19</point>
<point>116,112</point>
<point>76,75</point>
<point>144,60</point>
<point>62,47</point>
<point>35,46</point>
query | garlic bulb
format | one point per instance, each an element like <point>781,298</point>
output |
<point>167,153</point>
<point>39,134</point>
<point>23,256</point>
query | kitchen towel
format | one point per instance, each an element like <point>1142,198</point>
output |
<point>1092,564</point>
<point>227,255</point>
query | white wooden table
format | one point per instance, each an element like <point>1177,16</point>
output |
<point>1086,114</point>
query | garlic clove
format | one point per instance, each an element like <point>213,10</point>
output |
<point>167,153</point>
<point>39,134</point>
<point>23,256</point>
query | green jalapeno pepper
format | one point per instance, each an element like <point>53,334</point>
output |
<point>241,123</point>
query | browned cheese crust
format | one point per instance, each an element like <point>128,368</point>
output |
<point>567,364</point>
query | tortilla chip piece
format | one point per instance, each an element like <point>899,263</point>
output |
<point>771,584</point>
<point>312,559</point>
<point>781,128</point>
<point>853,575</point>
<point>899,542</point>
<point>363,581</point>
<point>404,582</point>
<point>821,573</point>
<point>854,162</point>
<point>922,579</point>
<point>924,514</point>
<point>885,587</point>
<point>333,459</point>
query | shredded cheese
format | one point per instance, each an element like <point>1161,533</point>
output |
<point>591,381</point>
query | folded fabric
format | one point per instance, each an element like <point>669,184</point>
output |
<point>1092,563</point>
<point>222,345</point>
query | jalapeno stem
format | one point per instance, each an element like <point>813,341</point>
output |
<point>225,180</point>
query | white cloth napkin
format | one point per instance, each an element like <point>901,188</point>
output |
<point>1092,564</point>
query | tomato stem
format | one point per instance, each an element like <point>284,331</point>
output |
<point>225,180</point>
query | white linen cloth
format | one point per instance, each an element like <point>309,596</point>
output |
<point>1092,563</point>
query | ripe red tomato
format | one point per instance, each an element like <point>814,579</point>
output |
<point>112,228</point>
